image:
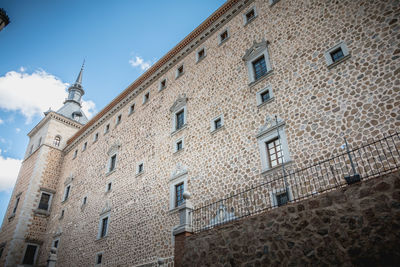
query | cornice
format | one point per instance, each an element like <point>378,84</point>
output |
<point>215,21</point>
<point>56,116</point>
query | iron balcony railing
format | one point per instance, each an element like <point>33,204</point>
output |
<point>290,185</point>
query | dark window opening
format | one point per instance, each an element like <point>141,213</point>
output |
<point>260,67</point>
<point>180,119</point>
<point>224,36</point>
<point>337,54</point>
<point>112,163</point>
<point>250,15</point>
<point>99,258</point>
<point>180,70</point>
<point>109,187</point>
<point>265,96</point>
<point>179,194</point>
<point>84,200</point>
<point>44,201</point>
<point>282,198</point>
<point>16,205</point>
<point>104,223</point>
<point>201,54</point>
<point>140,168</point>
<point>29,257</point>
<point>179,145</point>
<point>217,123</point>
<point>55,245</point>
<point>66,195</point>
<point>132,109</point>
<point>163,84</point>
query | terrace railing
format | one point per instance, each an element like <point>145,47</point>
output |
<point>370,160</point>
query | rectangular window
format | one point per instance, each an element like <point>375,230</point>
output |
<point>44,202</point>
<point>131,109</point>
<point>55,243</point>
<point>75,154</point>
<point>179,194</point>
<point>84,146</point>
<point>118,119</point>
<point>103,228</point>
<point>62,214</point>
<point>250,15</point>
<point>31,150</point>
<point>223,36</point>
<point>99,258</point>
<point>1,251</point>
<point>179,71</point>
<point>163,84</point>
<point>140,168</point>
<point>265,96</point>
<point>84,201</point>
<point>337,54</point>
<point>201,54</point>
<point>107,128</point>
<point>274,152</point>
<point>30,254</point>
<point>108,187</point>
<point>179,145</point>
<point>16,205</point>
<point>146,97</point>
<point>96,137</point>
<point>260,67</point>
<point>113,160</point>
<point>66,193</point>
<point>282,198</point>
<point>218,123</point>
<point>180,119</point>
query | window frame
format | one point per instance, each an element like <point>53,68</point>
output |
<point>175,180</point>
<point>198,57</point>
<point>67,192</point>
<point>110,162</point>
<point>245,19</point>
<point>328,54</point>
<point>138,171</point>
<point>35,255</point>
<point>97,258</point>
<point>146,97</point>
<point>174,118</point>
<point>100,228</point>
<point>274,193</point>
<point>75,154</point>
<point>179,73</point>
<point>131,108</point>
<point>107,128</point>
<point>57,141</point>
<point>253,54</point>
<point>84,146</point>
<point>221,41</point>
<point>49,202</point>
<point>54,241</point>
<point>182,140</point>
<point>273,2</point>
<point>259,94</point>
<point>95,137</point>
<point>17,199</point>
<point>161,86</point>
<point>118,119</point>
<point>213,125</point>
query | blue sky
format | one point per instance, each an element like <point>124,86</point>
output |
<point>42,49</point>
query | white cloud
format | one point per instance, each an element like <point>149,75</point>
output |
<point>137,61</point>
<point>9,171</point>
<point>17,130</point>
<point>32,94</point>
<point>1,121</point>
<point>22,69</point>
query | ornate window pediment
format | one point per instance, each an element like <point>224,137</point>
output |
<point>255,50</point>
<point>179,103</point>
<point>113,149</point>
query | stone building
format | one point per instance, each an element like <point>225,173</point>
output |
<point>259,83</point>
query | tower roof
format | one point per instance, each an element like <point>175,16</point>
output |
<point>79,79</point>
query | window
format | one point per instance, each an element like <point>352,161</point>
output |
<point>146,97</point>
<point>217,123</point>
<point>62,214</point>
<point>56,242</point>
<point>223,36</point>
<point>96,137</point>
<point>66,192</point>
<point>274,152</point>
<point>179,145</point>
<point>16,205</point>
<point>40,141</point>
<point>131,109</point>
<point>75,154</point>
<point>140,168</point>
<point>273,146</point>
<point>31,150</point>
<point>163,85</point>
<point>84,201</point>
<point>99,258</point>
<point>201,54</point>
<point>336,54</point>
<point>264,95</point>
<point>179,71</point>
<point>84,146</point>
<point>281,196</point>
<point>103,227</point>
<point>45,200</point>
<point>108,187</point>
<point>57,141</point>
<point>249,15</point>
<point>118,120</point>
<point>112,163</point>
<point>273,2</point>
<point>30,254</point>
<point>179,188</point>
<point>257,61</point>
<point>180,119</point>
<point>107,129</point>
<point>1,249</point>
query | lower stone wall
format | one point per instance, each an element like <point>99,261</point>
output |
<point>358,225</point>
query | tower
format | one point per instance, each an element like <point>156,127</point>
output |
<point>25,222</point>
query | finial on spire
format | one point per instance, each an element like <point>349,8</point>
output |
<point>79,79</point>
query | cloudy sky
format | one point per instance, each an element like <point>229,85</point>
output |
<point>42,49</point>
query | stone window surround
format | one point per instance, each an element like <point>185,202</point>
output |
<point>131,109</point>
<point>274,193</point>
<point>17,199</point>
<point>107,128</point>
<point>57,140</point>
<point>62,214</point>
<point>108,190</point>
<point>54,240</point>
<point>160,86</point>
<point>65,197</point>
<point>95,137</point>
<point>273,2</point>
<point>220,38</point>
<point>84,146</point>
<point>42,190</point>
<point>176,144</point>
<point>175,180</point>
<point>75,154</point>
<point>268,135</point>
<point>118,119</point>
<point>328,57</point>
<point>213,129</point>
<point>146,97</point>
<point>96,258</point>
<point>254,53</point>
<point>260,92</point>
<point>36,252</point>
<point>198,58</point>
<point>137,168</point>
<point>103,216</point>
<point>108,172</point>
<point>179,74</point>
<point>245,21</point>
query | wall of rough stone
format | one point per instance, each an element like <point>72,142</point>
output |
<point>358,225</point>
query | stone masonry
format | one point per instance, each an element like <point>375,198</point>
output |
<point>357,98</point>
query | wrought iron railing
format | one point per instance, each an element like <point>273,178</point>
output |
<point>290,185</point>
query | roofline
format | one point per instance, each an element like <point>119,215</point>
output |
<point>174,51</point>
<point>54,115</point>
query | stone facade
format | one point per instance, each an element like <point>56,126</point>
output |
<point>317,106</point>
<point>358,225</point>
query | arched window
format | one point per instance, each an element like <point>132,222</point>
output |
<point>57,140</point>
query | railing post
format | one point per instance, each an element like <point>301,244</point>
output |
<point>355,177</point>
<point>184,229</point>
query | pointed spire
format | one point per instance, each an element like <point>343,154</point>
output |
<point>79,79</point>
